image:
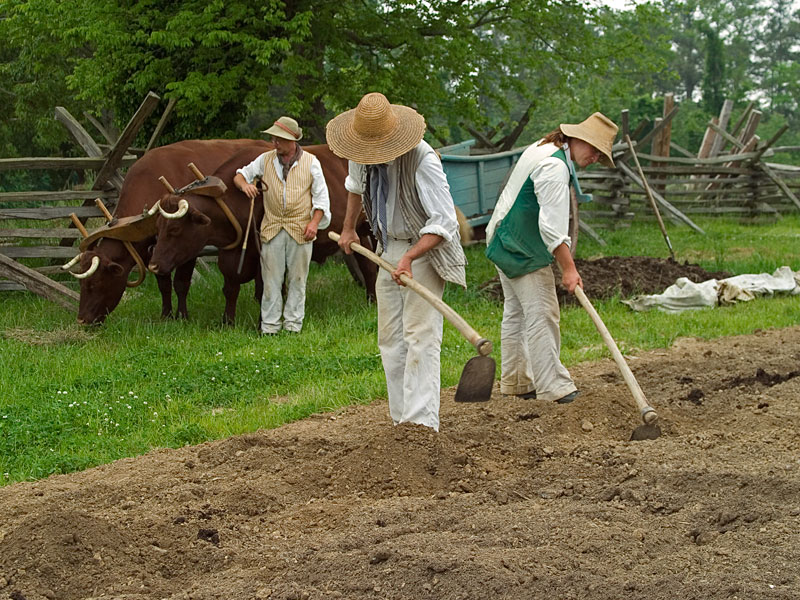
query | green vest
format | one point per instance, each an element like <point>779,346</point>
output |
<point>517,247</point>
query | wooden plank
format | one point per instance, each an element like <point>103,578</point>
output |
<point>769,143</point>
<point>722,134</point>
<point>750,128</point>
<point>61,196</point>
<point>708,139</point>
<point>666,133</point>
<point>88,144</point>
<point>49,212</point>
<point>724,117</point>
<point>742,118</point>
<point>625,122</point>
<point>99,126</point>
<point>585,228</point>
<point>725,158</point>
<point>38,283</point>
<point>40,233</point>
<point>681,150</point>
<point>641,143</point>
<point>777,180</point>
<point>658,198</point>
<point>66,252</point>
<point>107,173</point>
<point>50,162</point>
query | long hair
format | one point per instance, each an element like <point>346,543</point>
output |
<point>556,137</point>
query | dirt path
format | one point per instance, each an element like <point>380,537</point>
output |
<point>514,499</point>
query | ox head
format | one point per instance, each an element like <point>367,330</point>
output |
<point>103,276</point>
<point>182,233</point>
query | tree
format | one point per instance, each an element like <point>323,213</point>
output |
<point>226,61</point>
<point>714,75</point>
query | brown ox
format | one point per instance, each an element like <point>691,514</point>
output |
<point>102,290</point>
<point>182,233</point>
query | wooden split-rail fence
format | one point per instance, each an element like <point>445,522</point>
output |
<point>37,234</point>
<point>728,175</point>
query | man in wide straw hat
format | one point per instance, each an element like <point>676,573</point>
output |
<point>528,229</point>
<point>296,206</point>
<point>399,181</point>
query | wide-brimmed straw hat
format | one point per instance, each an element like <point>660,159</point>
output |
<point>375,131</point>
<point>286,128</point>
<point>598,130</point>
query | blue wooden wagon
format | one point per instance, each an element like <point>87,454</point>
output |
<point>475,180</point>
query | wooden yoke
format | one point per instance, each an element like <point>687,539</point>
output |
<point>127,230</point>
<point>215,188</point>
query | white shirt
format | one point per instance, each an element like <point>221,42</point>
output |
<point>433,190</point>
<point>320,199</point>
<point>550,177</point>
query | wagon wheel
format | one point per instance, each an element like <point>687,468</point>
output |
<point>573,221</point>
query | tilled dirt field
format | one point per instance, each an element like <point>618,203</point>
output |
<point>514,499</point>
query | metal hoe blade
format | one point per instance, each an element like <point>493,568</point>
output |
<point>477,380</point>
<point>645,432</point>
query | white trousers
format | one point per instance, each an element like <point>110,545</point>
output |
<point>410,341</point>
<point>283,258</point>
<point>530,340</point>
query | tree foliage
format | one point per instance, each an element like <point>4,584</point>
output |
<point>234,65</point>
<point>226,61</point>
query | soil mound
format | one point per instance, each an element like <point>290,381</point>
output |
<point>622,276</point>
<point>513,499</point>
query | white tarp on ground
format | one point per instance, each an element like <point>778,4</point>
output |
<point>687,295</point>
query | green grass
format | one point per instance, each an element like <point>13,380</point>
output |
<point>73,397</point>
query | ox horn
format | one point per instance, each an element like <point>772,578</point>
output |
<point>70,264</point>
<point>183,208</point>
<point>154,209</point>
<point>90,271</point>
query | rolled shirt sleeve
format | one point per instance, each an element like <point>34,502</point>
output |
<point>551,185</point>
<point>434,194</point>
<point>320,199</point>
<point>254,170</point>
<point>356,178</point>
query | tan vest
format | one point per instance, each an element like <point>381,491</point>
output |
<point>287,205</point>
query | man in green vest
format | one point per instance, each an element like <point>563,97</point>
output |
<point>528,230</point>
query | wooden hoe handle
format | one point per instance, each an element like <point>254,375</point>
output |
<point>482,345</point>
<point>649,415</point>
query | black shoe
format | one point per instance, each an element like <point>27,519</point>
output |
<point>527,395</point>
<point>568,398</point>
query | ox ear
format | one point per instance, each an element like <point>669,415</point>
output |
<point>199,218</point>
<point>116,269</point>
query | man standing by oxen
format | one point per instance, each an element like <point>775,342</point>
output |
<point>296,206</point>
<point>399,180</point>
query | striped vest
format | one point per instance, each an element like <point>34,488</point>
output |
<point>287,205</point>
<point>447,258</point>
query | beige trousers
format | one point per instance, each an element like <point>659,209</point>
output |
<point>410,341</point>
<point>530,340</point>
<point>283,259</point>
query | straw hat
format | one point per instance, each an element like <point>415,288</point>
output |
<point>286,128</point>
<point>375,131</point>
<point>598,130</point>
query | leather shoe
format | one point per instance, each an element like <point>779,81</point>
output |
<point>568,398</point>
<point>527,395</point>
